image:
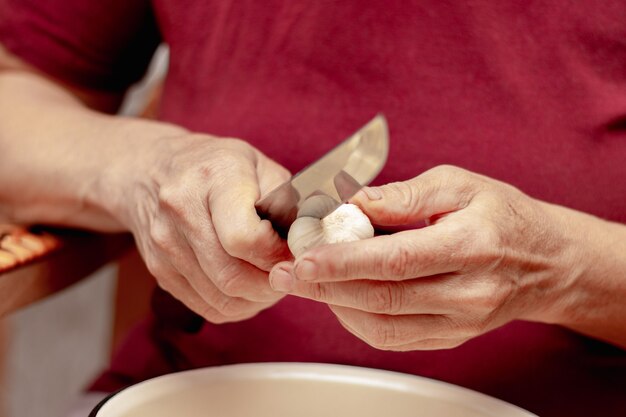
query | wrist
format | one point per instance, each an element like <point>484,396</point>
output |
<point>551,284</point>
<point>137,148</point>
<point>582,278</point>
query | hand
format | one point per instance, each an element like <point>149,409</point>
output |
<point>190,205</point>
<point>489,255</point>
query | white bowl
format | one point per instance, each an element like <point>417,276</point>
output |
<point>299,390</point>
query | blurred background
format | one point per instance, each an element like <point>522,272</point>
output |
<point>52,349</point>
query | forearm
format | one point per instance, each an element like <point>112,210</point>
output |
<point>593,299</point>
<point>54,152</point>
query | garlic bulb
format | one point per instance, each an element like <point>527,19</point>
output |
<point>346,224</point>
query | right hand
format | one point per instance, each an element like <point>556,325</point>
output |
<point>190,205</point>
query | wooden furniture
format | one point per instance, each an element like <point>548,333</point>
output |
<point>67,257</point>
<point>36,265</point>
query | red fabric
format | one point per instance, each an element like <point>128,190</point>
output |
<point>95,44</point>
<point>531,93</point>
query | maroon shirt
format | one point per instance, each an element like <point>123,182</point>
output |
<point>532,93</point>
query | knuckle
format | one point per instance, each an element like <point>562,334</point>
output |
<point>490,235</point>
<point>463,245</point>
<point>488,297</point>
<point>209,171</point>
<point>318,290</point>
<point>229,284</point>
<point>486,249</point>
<point>227,306</point>
<point>153,267</point>
<point>495,298</point>
<point>383,336</point>
<point>240,146</point>
<point>397,263</point>
<point>452,177</point>
<point>173,198</point>
<point>339,269</point>
<point>459,232</point>
<point>383,298</point>
<point>164,280</point>
<point>212,315</point>
<point>446,171</point>
<point>238,244</point>
<point>222,161</point>
<point>406,195</point>
<point>161,237</point>
<point>230,281</point>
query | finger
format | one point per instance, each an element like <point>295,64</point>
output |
<point>228,305</point>
<point>272,175</point>
<point>440,190</point>
<point>231,276</point>
<point>171,260</point>
<point>170,246</point>
<point>198,255</point>
<point>425,344</point>
<point>241,232</point>
<point>389,332</point>
<point>419,296</point>
<point>433,250</point>
<point>177,285</point>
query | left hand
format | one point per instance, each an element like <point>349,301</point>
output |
<point>489,254</point>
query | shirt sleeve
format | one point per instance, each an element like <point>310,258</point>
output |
<point>103,45</point>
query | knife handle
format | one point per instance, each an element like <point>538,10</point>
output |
<point>280,207</point>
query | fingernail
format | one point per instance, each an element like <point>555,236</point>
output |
<point>281,280</point>
<point>306,270</point>
<point>373,193</point>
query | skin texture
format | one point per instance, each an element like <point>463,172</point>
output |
<point>489,255</point>
<point>187,198</point>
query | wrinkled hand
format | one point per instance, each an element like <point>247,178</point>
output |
<point>191,210</point>
<point>489,254</point>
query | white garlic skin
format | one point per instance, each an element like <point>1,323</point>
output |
<point>346,224</point>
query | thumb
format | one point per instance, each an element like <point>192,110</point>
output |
<point>441,190</point>
<point>239,229</point>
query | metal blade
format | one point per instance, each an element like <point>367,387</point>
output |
<point>339,174</point>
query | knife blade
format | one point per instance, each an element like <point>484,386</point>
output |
<point>338,174</point>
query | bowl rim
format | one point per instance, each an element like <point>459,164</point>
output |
<point>333,372</point>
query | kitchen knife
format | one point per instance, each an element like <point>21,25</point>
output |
<point>339,174</point>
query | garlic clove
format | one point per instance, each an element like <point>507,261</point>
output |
<point>305,233</point>
<point>316,206</point>
<point>346,224</point>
